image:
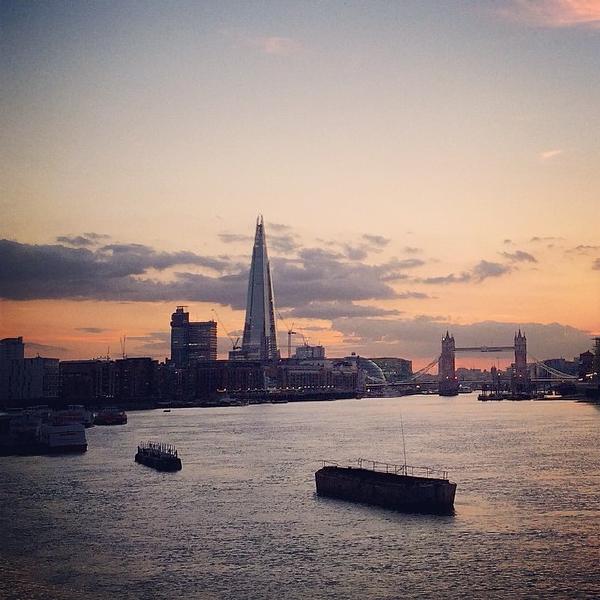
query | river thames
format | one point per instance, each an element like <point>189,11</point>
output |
<point>241,520</point>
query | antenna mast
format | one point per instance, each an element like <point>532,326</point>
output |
<point>403,440</point>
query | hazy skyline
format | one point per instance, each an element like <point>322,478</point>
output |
<point>420,166</point>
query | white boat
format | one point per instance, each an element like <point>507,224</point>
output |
<point>68,437</point>
<point>74,413</point>
<point>27,434</point>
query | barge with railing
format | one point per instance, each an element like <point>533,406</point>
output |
<point>398,487</point>
<point>159,456</point>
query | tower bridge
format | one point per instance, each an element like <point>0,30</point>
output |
<point>448,382</point>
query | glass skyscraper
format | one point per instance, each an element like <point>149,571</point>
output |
<point>260,335</point>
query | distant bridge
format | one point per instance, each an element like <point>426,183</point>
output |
<point>556,376</point>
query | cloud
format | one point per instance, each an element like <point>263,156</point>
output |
<point>376,240</point>
<point>356,252</point>
<point>519,256</point>
<point>154,343</point>
<point>323,275</point>
<point>277,227</point>
<point>507,241</point>
<point>87,239</point>
<point>412,295</point>
<point>123,272</point>
<point>553,13</point>
<point>77,240</point>
<point>485,269</point>
<point>420,336</point>
<point>596,264</point>
<point>481,271</point>
<point>233,238</point>
<point>583,249</point>
<point>545,239</point>
<point>285,243</point>
<point>92,329</point>
<point>113,272</point>
<point>34,348</point>
<point>412,250</point>
<point>444,279</point>
<point>137,258</point>
<point>334,309</point>
<point>548,154</point>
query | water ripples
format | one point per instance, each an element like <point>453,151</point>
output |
<point>241,520</point>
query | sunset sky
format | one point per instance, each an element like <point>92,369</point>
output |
<point>420,166</point>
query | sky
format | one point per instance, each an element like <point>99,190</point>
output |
<point>421,166</point>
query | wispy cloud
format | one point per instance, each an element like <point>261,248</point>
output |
<point>549,154</point>
<point>583,249</point>
<point>519,256</point>
<point>376,240</point>
<point>481,271</point>
<point>35,348</point>
<point>87,239</point>
<point>553,13</point>
<point>547,238</point>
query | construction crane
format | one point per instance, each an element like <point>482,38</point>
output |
<point>235,344</point>
<point>123,341</point>
<point>290,333</point>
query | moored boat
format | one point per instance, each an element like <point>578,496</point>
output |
<point>110,416</point>
<point>398,487</point>
<point>74,413</point>
<point>62,438</point>
<point>28,433</point>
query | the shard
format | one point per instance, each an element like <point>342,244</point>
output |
<point>260,336</point>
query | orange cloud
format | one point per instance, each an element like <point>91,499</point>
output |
<point>548,154</point>
<point>554,13</point>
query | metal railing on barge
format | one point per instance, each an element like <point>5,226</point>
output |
<point>395,469</point>
<point>158,449</point>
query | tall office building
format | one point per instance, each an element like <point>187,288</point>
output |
<point>191,340</point>
<point>260,336</point>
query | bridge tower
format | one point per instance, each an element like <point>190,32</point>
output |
<point>448,382</point>
<point>520,374</point>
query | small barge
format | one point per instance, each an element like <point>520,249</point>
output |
<point>398,487</point>
<point>159,456</point>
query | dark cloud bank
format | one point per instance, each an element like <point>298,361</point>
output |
<point>313,283</point>
<point>122,272</point>
<point>421,336</point>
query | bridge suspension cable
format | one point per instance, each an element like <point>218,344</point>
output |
<point>424,370</point>
<point>552,370</point>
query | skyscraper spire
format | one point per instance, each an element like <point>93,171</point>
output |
<point>260,337</point>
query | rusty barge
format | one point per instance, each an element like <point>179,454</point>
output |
<point>398,487</point>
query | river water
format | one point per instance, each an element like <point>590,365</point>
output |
<point>241,520</point>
